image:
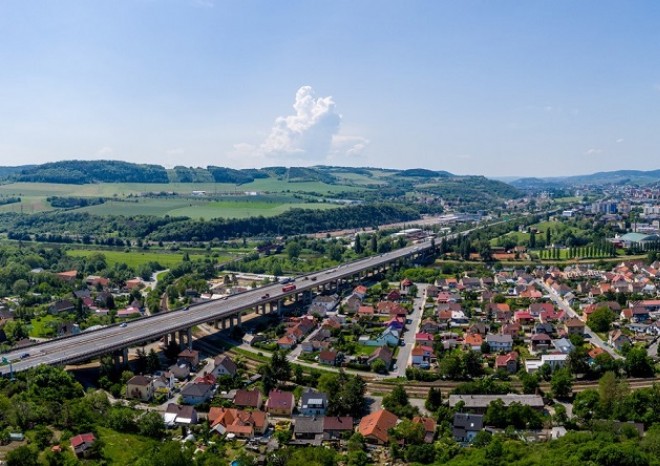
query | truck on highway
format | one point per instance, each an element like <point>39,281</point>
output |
<point>288,288</point>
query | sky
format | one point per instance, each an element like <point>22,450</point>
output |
<point>495,88</point>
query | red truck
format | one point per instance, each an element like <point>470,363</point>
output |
<point>288,288</point>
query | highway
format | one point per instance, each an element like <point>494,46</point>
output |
<point>88,345</point>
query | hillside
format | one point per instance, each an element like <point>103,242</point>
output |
<point>639,177</point>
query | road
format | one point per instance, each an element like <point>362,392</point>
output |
<point>403,360</point>
<point>563,305</point>
<point>87,345</point>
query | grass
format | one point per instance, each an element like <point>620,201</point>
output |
<point>40,327</point>
<point>363,350</point>
<point>135,258</point>
<point>123,449</point>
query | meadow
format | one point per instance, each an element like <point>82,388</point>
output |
<point>137,258</point>
<point>277,198</point>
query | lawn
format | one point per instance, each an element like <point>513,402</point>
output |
<point>40,327</point>
<point>363,350</point>
<point>135,258</point>
<point>244,209</point>
<point>123,449</point>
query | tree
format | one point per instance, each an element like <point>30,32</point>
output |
<point>585,405</point>
<point>20,287</point>
<point>373,245</point>
<point>153,362</point>
<point>378,366</point>
<point>151,425</point>
<point>433,399</point>
<point>601,319</point>
<point>561,383</point>
<point>611,393</point>
<point>410,433</point>
<point>358,245</point>
<point>23,456</point>
<point>638,363</point>
<point>532,239</point>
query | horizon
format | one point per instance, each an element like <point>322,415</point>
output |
<point>495,177</point>
<point>476,88</point>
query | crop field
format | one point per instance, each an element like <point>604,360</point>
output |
<point>137,258</point>
<point>198,208</point>
<point>33,198</point>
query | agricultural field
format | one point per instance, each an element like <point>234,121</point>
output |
<point>33,198</point>
<point>137,258</point>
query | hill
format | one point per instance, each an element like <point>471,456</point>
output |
<point>638,177</point>
<point>91,171</point>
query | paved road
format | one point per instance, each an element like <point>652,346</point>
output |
<point>404,358</point>
<point>92,344</point>
<point>563,305</point>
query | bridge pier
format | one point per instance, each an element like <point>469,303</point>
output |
<point>124,354</point>
<point>189,338</point>
<point>238,319</point>
<point>173,337</point>
<point>280,306</point>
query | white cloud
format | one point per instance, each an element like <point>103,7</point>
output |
<point>593,151</point>
<point>105,152</point>
<point>619,141</point>
<point>310,134</point>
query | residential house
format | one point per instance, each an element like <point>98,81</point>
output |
<point>424,338</point>
<point>429,427</point>
<point>63,305</point>
<point>82,444</point>
<point>478,327</point>
<point>224,365</point>
<point>360,291</point>
<point>473,341</point>
<point>422,355</point>
<point>540,342</point>
<point>389,337</point>
<point>405,285</point>
<point>308,428</point>
<point>239,423</point>
<point>313,403</point>
<point>196,393</point>
<point>383,353</point>
<point>507,362</point>
<point>164,383</point>
<point>498,343</point>
<point>479,403</point>
<point>180,371</point>
<point>574,326</point>
<point>179,415</point>
<point>286,342</point>
<point>188,356</point>
<point>510,329</point>
<point>328,357</point>
<point>563,345</point>
<point>96,282</point>
<point>466,426</point>
<point>366,311</point>
<point>140,387</point>
<point>336,427</point>
<point>68,276</point>
<point>248,399</point>
<point>134,284</point>
<point>375,426</point>
<point>618,340</point>
<point>280,403</point>
<point>429,326</point>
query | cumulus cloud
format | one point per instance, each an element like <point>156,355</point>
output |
<point>311,133</point>
<point>593,151</point>
<point>620,140</point>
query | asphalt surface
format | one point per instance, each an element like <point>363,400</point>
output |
<point>403,359</point>
<point>92,344</point>
<point>563,305</point>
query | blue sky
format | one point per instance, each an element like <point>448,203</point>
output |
<point>497,88</point>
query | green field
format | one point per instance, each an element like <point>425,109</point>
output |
<point>128,202</point>
<point>123,449</point>
<point>137,258</point>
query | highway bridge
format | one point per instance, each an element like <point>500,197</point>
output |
<point>117,339</point>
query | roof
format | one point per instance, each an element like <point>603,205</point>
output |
<point>226,362</point>
<point>377,424</point>
<point>308,425</point>
<point>428,423</point>
<point>82,438</point>
<point>493,338</point>
<point>638,237</point>
<point>280,399</point>
<point>482,401</point>
<point>139,380</point>
<point>574,322</point>
<point>196,389</point>
<point>338,423</point>
<point>247,398</point>
<point>467,421</point>
<point>185,411</point>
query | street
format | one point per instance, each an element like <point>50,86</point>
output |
<point>404,359</point>
<point>563,305</point>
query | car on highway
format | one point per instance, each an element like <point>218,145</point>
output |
<point>313,279</point>
<point>266,296</point>
<point>402,342</point>
<point>186,308</point>
<point>123,325</point>
<point>25,355</point>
